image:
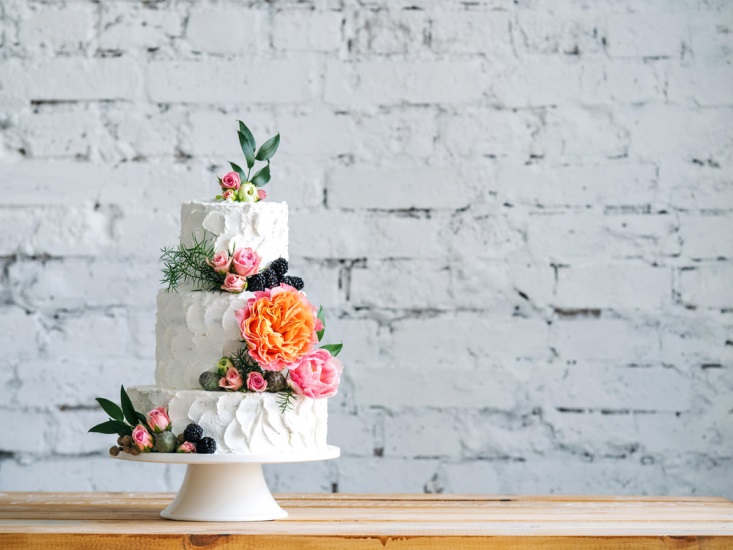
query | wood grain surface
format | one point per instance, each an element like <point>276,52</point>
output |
<point>131,520</point>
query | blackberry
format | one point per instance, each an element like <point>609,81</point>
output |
<point>193,433</point>
<point>206,446</point>
<point>271,278</point>
<point>256,282</point>
<point>295,282</point>
<point>280,266</point>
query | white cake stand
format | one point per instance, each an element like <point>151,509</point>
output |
<point>226,487</point>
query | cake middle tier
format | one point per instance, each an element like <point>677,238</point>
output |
<point>194,329</point>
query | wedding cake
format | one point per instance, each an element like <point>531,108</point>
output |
<point>239,364</point>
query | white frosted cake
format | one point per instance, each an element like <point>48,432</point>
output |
<point>240,367</point>
<point>196,328</point>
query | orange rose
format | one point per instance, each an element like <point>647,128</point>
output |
<point>279,326</point>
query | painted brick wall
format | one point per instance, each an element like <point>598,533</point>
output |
<point>519,216</point>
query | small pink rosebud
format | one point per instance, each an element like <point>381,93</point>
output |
<point>261,194</point>
<point>246,262</point>
<point>256,382</point>
<point>234,283</point>
<point>230,181</point>
<point>220,262</point>
<point>158,420</point>
<point>142,439</point>
<point>232,380</point>
<point>186,447</point>
<point>228,195</point>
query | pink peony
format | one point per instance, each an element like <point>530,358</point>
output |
<point>279,325</point>
<point>261,194</point>
<point>142,439</point>
<point>256,382</point>
<point>158,420</point>
<point>228,195</point>
<point>234,283</point>
<point>316,375</point>
<point>246,261</point>
<point>186,447</point>
<point>220,262</point>
<point>230,181</point>
<point>232,380</point>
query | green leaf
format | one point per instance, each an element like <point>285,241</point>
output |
<point>322,317</point>
<point>247,149</point>
<point>238,170</point>
<point>109,427</point>
<point>333,349</point>
<point>127,408</point>
<point>110,408</point>
<point>262,177</point>
<point>268,148</point>
<point>141,417</point>
<point>247,135</point>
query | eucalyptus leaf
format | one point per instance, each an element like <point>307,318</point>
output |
<point>247,135</point>
<point>127,408</point>
<point>238,170</point>
<point>322,317</point>
<point>110,408</point>
<point>109,427</point>
<point>261,177</point>
<point>333,349</point>
<point>247,149</point>
<point>268,148</point>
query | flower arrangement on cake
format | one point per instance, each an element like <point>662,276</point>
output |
<point>277,348</point>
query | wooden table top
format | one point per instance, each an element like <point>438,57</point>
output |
<point>331,521</point>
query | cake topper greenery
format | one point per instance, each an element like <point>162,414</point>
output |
<point>237,186</point>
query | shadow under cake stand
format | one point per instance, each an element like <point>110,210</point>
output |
<point>223,487</point>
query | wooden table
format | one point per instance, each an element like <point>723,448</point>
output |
<point>130,521</point>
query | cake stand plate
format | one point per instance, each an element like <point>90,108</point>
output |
<point>227,487</point>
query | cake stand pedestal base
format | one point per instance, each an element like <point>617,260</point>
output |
<point>226,487</point>
<point>224,492</point>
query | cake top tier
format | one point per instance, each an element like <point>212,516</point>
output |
<point>261,226</point>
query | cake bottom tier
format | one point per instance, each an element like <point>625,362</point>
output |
<point>241,423</point>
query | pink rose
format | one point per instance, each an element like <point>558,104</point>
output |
<point>232,380</point>
<point>158,420</point>
<point>186,447</point>
<point>256,382</point>
<point>220,262</point>
<point>234,283</point>
<point>316,375</point>
<point>230,181</point>
<point>246,261</point>
<point>142,439</point>
<point>228,195</point>
<point>261,194</point>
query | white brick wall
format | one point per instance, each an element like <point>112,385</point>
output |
<point>519,216</point>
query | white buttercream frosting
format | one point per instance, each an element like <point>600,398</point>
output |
<point>261,226</point>
<point>193,331</point>
<point>239,422</point>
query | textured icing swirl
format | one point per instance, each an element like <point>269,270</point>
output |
<point>262,226</point>
<point>241,423</point>
<point>193,331</point>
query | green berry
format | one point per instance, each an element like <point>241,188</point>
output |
<point>165,442</point>
<point>209,380</point>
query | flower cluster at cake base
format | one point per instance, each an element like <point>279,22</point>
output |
<point>280,329</point>
<point>241,186</point>
<point>151,432</point>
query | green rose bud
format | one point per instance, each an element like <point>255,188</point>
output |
<point>247,193</point>
<point>209,380</point>
<point>165,442</point>
<point>224,365</point>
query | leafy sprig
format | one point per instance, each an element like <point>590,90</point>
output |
<point>187,264</point>
<point>251,154</point>
<point>333,349</point>
<point>286,400</point>
<point>122,419</point>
